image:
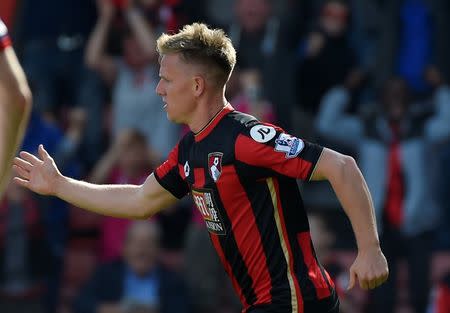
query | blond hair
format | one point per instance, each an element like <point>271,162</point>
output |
<point>201,45</point>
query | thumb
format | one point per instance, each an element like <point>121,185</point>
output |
<point>352,279</point>
<point>42,152</point>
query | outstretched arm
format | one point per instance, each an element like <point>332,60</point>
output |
<point>15,105</point>
<point>126,201</point>
<point>370,266</point>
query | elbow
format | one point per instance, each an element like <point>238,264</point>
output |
<point>347,167</point>
<point>23,99</point>
<point>144,209</point>
<point>145,214</point>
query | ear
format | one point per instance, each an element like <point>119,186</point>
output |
<point>199,85</point>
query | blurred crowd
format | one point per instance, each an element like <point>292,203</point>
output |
<point>365,77</point>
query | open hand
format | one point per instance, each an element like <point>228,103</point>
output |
<point>37,174</point>
<point>370,268</point>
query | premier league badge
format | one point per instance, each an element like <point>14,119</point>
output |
<point>215,165</point>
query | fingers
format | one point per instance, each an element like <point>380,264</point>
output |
<point>372,281</point>
<point>23,173</point>
<point>21,182</point>
<point>43,153</point>
<point>381,279</point>
<point>29,157</point>
<point>352,279</point>
<point>364,283</point>
<point>22,164</point>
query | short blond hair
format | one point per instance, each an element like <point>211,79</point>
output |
<point>199,44</point>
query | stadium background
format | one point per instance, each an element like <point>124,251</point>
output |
<point>294,59</point>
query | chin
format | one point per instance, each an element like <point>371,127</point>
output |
<point>173,119</point>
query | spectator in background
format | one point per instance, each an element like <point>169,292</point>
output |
<point>392,147</point>
<point>441,301</point>
<point>245,91</point>
<point>325,56</point>
<point>127,161</point>
<point>136,282</point>
<point>415,50</point>
<point>133,76</point>
<point>256,34</point>
<point>53,35</point>
<point>412,39</point>
<point>54,212</point>
<point>24,253</point>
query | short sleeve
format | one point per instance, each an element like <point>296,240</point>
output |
<point>270,147</point>
<point>168,176</point>
<point>5,40</point>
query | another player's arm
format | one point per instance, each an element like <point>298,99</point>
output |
<point>126,201</point>
<point>352,191</point>
<point>15,105</point>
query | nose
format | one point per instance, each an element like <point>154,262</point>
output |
<point>159,89</point>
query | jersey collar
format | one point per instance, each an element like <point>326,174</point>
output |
<point>205,131</point>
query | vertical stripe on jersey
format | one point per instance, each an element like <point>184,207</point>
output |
<point>227,266</point>
<point>314,271</point>
<point>259,196</point>
<point>199,176</point>
<point>246,232</point>
<point>246,296</point>
<point>296,298</point>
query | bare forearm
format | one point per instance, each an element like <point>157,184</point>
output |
<point>353,193</point>
<point>111,200</point>
<point>13,120</point>
<point>15,106</point>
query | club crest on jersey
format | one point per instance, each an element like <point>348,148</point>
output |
<point>215,165</point>
<point>290,145</point>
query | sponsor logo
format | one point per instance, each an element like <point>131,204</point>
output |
<point>205,203</point>
<point>262,133</point>
<point>187,169</point>
<point>215,165</point>
<point>288,144</point>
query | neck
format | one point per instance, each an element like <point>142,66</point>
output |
<point>205,111</point>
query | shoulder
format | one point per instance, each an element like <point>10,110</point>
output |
<point>250,126</point>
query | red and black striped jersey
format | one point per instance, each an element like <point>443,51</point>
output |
<point>242,176</point>
<point>5,41</point>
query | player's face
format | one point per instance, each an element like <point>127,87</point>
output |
<point>176,86</point>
